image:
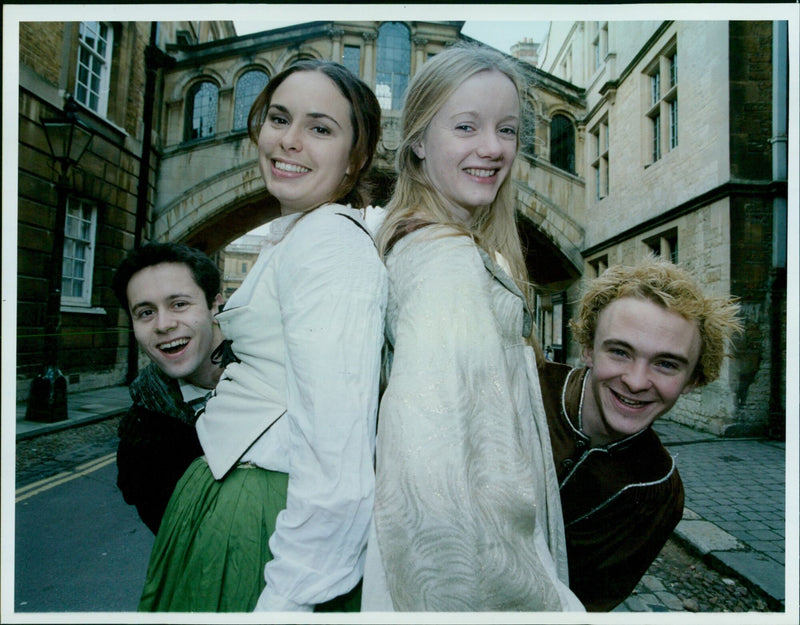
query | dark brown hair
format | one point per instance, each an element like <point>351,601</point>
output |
<point>204,270</point>
<point>365,117</point>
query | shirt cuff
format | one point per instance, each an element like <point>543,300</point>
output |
<point>269,601</point>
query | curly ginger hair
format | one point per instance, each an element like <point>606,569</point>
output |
<point>675,289</point>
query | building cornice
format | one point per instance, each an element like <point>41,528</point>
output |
<point>769,188</point>
<point>251,44</point>
<point>644,50</point>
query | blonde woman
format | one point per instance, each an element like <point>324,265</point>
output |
<point>467,512</point>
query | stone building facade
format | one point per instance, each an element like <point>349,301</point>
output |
<point>646,137</point>
<point>208,204</point>
<point>102,66</point>
<point>236,259</point>
<point>199,80</point>
<point>675,151</point>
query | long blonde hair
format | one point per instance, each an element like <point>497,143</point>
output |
<point>415,198</point>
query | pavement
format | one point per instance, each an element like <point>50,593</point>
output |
<point>82,408</point>
<point>734,516</point>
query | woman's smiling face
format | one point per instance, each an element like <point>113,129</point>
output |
<point>469,147</point>
<point>305,142</point>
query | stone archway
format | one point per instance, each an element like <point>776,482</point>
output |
<point>208,201</point>
<point>211,215</point>
<point>231,222</point>
<point>549,268</point>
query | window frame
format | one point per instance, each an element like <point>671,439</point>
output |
<point>599,44</point>
<point>562,146</point>
<point>662,111</point>
<point>93,54</point>
<point>396,94</point>
<point>598,265</point>
<point>239,102</point>
<point>596,48</point>
<point>673,123</point>
<point>655,86</point>
<point>566,65</point>
<point>84,301</point>
<point>600,161</point>
<point>191,96</point>
<point>348,62</point>
<point>664,244</point>
<point>656,136</point>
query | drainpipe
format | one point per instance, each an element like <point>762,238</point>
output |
<point>154,59</point>
<point>780,100</point>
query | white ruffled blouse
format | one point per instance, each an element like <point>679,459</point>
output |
<point>307,326</point>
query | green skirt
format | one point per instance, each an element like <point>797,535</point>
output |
<point>211,548</point>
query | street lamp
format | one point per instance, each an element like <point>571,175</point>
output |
<point>68,138</point>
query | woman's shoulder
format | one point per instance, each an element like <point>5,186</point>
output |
<point>437,259</point>
<point>330,214</point>
<point>333,224</point>
<point>434,244</point>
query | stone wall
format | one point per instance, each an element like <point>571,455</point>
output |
<point>752,224</point>
<point>640,189</point>
<point>93,340</point>
<point>40,46</point>
<point>90,340</point>
<point>751,246</point>
<point>711,190</point>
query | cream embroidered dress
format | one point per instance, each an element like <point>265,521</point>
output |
<point>467,511</point>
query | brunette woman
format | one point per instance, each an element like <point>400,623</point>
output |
<point>275,515</point>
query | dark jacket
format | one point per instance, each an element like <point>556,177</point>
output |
<point>157,442</point>
<point>620,501</point>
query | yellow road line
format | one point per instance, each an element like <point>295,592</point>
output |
<point>40,482</point>
<point>102,459</point>
<point>41,486</point>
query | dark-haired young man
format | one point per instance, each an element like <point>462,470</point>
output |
<point>171,294</point>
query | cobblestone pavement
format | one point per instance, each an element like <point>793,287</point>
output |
<point>753,515</point>
<point>48,454</point>
<point>678,581</point>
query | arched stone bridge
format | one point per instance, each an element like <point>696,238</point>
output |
<point>209,191</point>
<point>230,200</point>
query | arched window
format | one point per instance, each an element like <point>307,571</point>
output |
<point>201,110</point>
<point>250,84</point>
<point>562,143</point>
<point>394,64</point>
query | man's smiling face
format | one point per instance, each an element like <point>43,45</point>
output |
<point>642,359</point>
<point>173,323</point>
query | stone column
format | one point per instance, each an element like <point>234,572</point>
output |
<point>224,110</point>
<point>336,40</point>
<point>419,49</point>
<point>369,57</point>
